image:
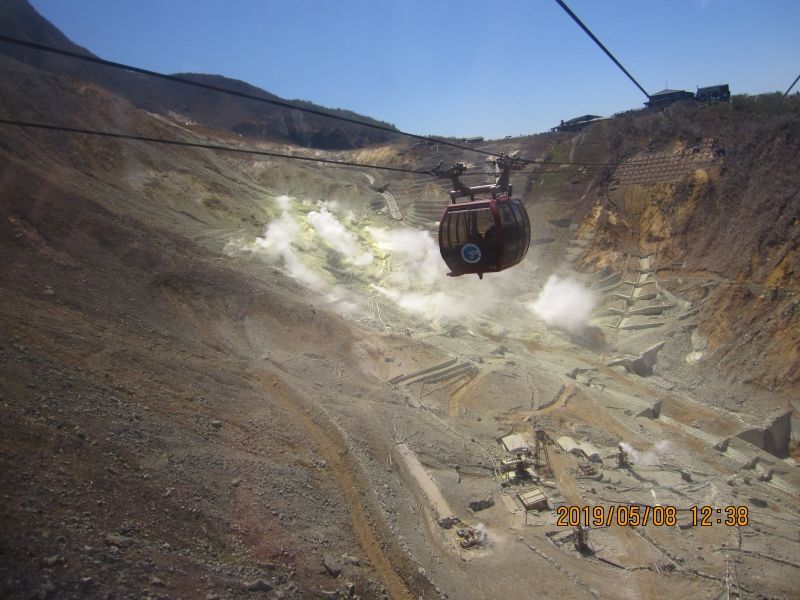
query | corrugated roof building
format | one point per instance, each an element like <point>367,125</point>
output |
<point>515,444</point>
<point>583,449</point>
<point>533,499</point>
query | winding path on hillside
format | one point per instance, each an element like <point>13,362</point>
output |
<point>342,468</point>
<point>392,204</point>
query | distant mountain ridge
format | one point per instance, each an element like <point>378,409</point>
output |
<point>18,18</point>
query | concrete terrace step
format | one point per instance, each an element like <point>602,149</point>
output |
<point>607,290</point>
<point>738,450</point>
<point>447,370</point>
<point>641,279</point>
<point>648,408</point>
<point>611,321</point>
<point>646,291</point>
<point>402,378</point>
<point>648,308</point>
<point>607,281</point>
<point>624,291</point>
<point>432,211</point>
<point>413,217</point>
<point>640,322</point>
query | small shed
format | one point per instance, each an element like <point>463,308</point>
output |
<point>577,123</point>
<point>533,499</point>
<point>515,444</point>
<point>567,444</point>
<point>592,453</point>
<point>582,450</point>
<point>714,93</point>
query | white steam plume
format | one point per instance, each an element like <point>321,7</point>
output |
<point>433,306</point>
<point>648,458</point>
<point>417,281</point>
<point>277,242</point>
<point>415,256</point>
<point>283,202</point>
<point>338,237</point>
<point>564,303</point>
<point>481,533</point>
<point>281,239</point>
<point>411,273</point>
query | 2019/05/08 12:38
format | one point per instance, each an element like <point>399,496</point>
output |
<point>642,515</point>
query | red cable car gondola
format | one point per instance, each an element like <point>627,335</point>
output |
<point>484,235</point>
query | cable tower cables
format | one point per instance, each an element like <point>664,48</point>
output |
<point>601,46</point>
<point>619,64</point>
<point>786,93</point>
<point>223,90</point>
<point>152,140</point>
<point>274,102</point>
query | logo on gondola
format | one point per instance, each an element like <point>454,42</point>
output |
<point>470,253</point>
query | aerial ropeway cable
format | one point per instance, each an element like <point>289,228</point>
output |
<point>282,103</point>
<point>204,146</point>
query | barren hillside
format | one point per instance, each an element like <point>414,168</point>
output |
<point>18,19</point>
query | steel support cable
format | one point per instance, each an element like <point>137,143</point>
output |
<point>786,93</point>
<point>601,46</point>
<point>566,172</point>
<point>125,136</point>
<point>280,103</point>
<point>619,64</point>
<point>289,105</point>
<point>152,140</point>
<point>626,161</point>
<point>215,88</point>
<point>217,147</point>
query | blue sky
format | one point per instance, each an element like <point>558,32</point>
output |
<point>451,68</point>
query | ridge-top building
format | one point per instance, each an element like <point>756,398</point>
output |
<point>714,93</point>
<point>665,97</point>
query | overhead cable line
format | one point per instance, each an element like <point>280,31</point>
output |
<point>251,151</point>
<point>786,93</point>
<point>217,147</point>
<point>289,105</point>
<point>580,23</point>
<point>565,171</point>
<point>280,103</point>
<point>152,140</point>
<point>600,44</point>
<point>223,90</point>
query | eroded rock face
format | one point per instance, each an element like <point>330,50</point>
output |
<point>643,366</point>
<point>773,437</point>
<point>725,235</point>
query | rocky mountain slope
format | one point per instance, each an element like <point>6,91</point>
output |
<point>251,119</point>
<point>725,233</point>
